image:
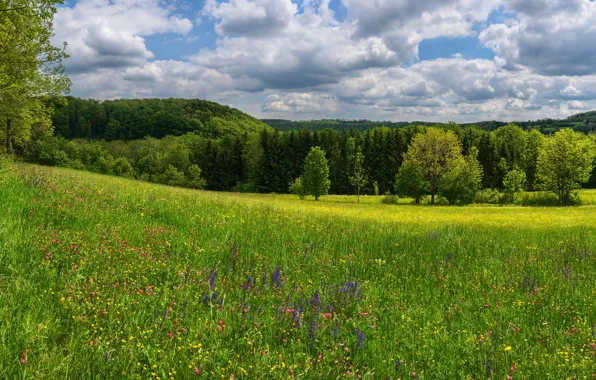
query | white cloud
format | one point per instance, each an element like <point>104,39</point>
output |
<point>276,58</point>
<point>552,37</point>
<point>302,103</point>
<point>252,18</point>
<point>109,34</point>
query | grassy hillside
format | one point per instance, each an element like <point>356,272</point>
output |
<point>130,119</point>
<point>111,278</point>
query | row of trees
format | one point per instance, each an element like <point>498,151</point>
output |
<point>434,164</point>
<point>582,122</point>
<point>451,162</point>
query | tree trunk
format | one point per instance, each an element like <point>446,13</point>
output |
<point>432,199</point>
<point>8,136</point>
<point>358,195</point>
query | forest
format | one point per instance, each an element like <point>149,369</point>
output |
<point>582,122</point>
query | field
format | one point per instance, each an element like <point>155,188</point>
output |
<point>102,277</point>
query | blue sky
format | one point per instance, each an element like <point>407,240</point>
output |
<point>461,60</point>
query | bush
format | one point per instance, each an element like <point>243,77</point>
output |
<point>389,199</point>
<point>195,181</point>
<point>297,188</point>
<point>490,196</point>
<point>247,188</point>
<point>172,177</point>
<point>543,198</point>
<point>122,168</point>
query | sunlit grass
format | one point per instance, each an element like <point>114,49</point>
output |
<point>111,278</point>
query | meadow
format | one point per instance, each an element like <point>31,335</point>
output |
<point>103,277</point>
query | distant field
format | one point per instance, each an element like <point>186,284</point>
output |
<point>110,278</point>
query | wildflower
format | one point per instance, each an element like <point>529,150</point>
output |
<point>397,364</point>
<point>276,276</point>
<point>508,348</point>
<point>335,331</point>
<point>212,278</point>
<point>360,337</point>
<point>197,372</point>
<point>170,334</point>
<point>105,357</point>
<point>313,330</point>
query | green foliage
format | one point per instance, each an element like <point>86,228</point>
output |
<point>461,183</point>
<point>121,167</point>
<point>359,178</point>
<point>411,181</point>
<point>135,119</point>
<point>565,163</point>
<point>172,177</point>
<point>316,173</point>
<point>298,189</point>
<point>490,196</point>
<point>30,69</point>
<point>514,183</point>
<point>437,152</point>
<point>195,181</point>
<point>389,199</point>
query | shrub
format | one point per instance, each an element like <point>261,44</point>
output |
<point>490,196</point>
<point>195,181</point>
<point>389,199</point>
<point>297,188</point>
<point>248,187</point>
<point>122,168</point>
<point>543,198</point>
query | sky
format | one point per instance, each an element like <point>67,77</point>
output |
<point>395,60</point>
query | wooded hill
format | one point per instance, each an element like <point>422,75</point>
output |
<point>583,122</point>
<point>131,119</point>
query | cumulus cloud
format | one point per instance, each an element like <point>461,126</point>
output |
<point>108,34</point>
<point>552,37</point>
<point>283,59</point>
<point>302,103</point>
<point>254,18</point>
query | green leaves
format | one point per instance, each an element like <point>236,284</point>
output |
<point>565,163</point>
<point>316,173</point>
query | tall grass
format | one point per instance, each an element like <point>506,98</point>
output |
<point>109,278</point>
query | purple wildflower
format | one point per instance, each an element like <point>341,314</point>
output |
<point>276,276</point>
<point>335,331</point>
<point>313,330</point>
<point>106,357</point>
<point>212,278</point>
<point>360,337</point>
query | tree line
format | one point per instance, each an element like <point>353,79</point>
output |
<point>581,122</point>
<point>378,161</point>
<point>132,119</point>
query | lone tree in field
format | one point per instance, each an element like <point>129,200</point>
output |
<point>358,178</point>
<point>565,163</point>
<point>316,173</point>
<point>436,152</point>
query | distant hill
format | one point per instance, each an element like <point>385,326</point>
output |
<point>131,119</point>
<point>583,122</point>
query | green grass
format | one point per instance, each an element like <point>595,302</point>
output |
<point>102,277</point>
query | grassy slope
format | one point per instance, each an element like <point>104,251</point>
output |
<point>93,266</point>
